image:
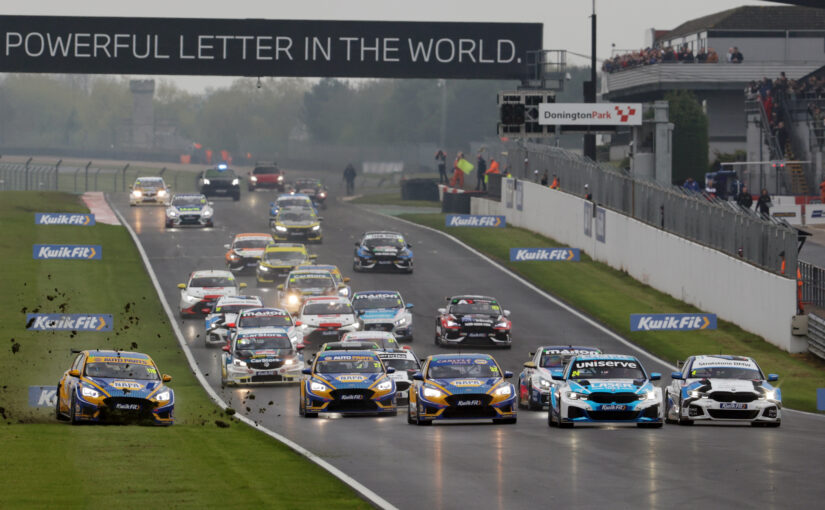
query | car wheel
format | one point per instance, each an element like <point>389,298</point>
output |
<point>532,406</point>
<point>561,424</point>
<point>72,413</point>
<point>251,189</point>
<point>550,421</point>
<point>168,224</point>
<point>60,416</point>
<point>419,421</point>
<point>409,414</point>
<point>668,410</point>
<point>506,421</point>
<point>521,403</point>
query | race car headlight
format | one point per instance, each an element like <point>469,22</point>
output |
<point>432,393</point>
<point>293,299</point>
<point>206,213</point>
<point>452,324</point>
<point>253,179</point>
<point>316,386</point>
<point>316,228</point>
<point>401,321</point>
<point>89,392</point>
<point>137,193</point>
<point>648,395</point>
<point>768,395</point>
<point>191,299</point>
<point>289,362</point>
<point>235,182</point>
<point>234,256</point>
<point>163,396</point>
<point>384,386</point>
<point>502,325</point>
<point>544,383</point>
<point>504,390</point>
<point>696,394</point>
<point>280,228</point>
<point>161,192</point>
<point>171,213</point>
<point>239,363</point>
<point>280,178</point>
<point>263,268</point>
<point>207,182</point>
<point>572,395</point>
<point>322,194</point>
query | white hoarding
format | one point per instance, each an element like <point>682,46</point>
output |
<point>590,114</point>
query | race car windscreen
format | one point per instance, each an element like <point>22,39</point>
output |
<point>308,184</point>
<point>245,244</point>
<point>214,173</point>
<point>396,242</point>
<point>401,364</point>
<point>188,201</point>
<point>328,309</point>
<point>296,216</point>
<point>258,343</point>
<point>212,281</point>
<point>458,368</point>
<point>121,371</point>
<point>235,308</point>
<point>474,306</point>
<point>293,202</point>
<point>373,301</point>
<point>311,282</point>
<point>552,360</point>
<point>265,170</point>
<point>606,369</point>
<point>149,183</point>
<point>725,373</point>
<point>285,257</point>
<point>264,321</point>
<point>345,364</point>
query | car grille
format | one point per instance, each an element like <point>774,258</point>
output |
<point>264,365</point>
<point>298,231</point>
<point>477,329</point>
<point>402,385</point>
<point>613,415</point>
<point>378,326</point>
<point>353,400</point>
<point>219,184</point>
<point>730,396</point>
<point>732,414</point>
<point>480,410</point>
<point>269,378</point>
<point>190,218</point>
<point>128,408</point>
<point>612,398</point>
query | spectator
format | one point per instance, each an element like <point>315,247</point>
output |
<point>481,169</point>
<point>349,176</point>
<point>702,56</point>
<point>763,203</point>
<point>441,159</point>
<point>782,136</point>
<point>744,198</point>
<point>713,57</point>
<point>737,57</point>
<point>710,189</point>
<point>730,55</point>
<point>544,179</point>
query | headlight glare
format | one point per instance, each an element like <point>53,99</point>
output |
<point>137,193</point>
<point>316,386</point>
<point>696,394</point>
<point>89,392</point>
<point>769,395</point>
<point>206,213</point>
<point>504,390</point>
<point>207,182</point>
<point>316,228</point>
<point>163,396</point>
<point>280,228</point>
<point>432,393</point>
<point>384,386</point>
<point>235,182</point>
<point>572,395</point>
<point>544,383</point>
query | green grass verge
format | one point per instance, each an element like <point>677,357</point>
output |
<point>610,296</point>
<point>394,198</point>
<point>193,464</point>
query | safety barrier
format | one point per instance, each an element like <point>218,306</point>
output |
<point>816,335</point>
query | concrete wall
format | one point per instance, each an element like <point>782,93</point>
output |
<point>757,301</point>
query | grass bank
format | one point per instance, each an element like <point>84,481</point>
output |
<point>610,296</point>
<point>196,463</point>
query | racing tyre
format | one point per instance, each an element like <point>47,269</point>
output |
<point>684,421</point>
<point>60,416</point>
<point>550,421</point>
<point>236,197</point>
<point>210,224</point>
<point>72,416</point>
<point>419,421</point>
<point>561,424</point>
<point>409,415</point>
<point>520,403</point>
<point>251,189</point>
<point>668,410</point>
<point>532,406</point>
<point>168,224</point>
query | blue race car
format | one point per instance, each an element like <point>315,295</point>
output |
<point>384,310</point>
<point>383,251</point>
<point>606,388</point>
<point>461,387</point>
<point>535,382</point>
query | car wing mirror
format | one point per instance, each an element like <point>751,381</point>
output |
<point>676,376</point>
<point>225,348</point>
<point>242,285</point>
<point>227,247</point>
<point>166,378</point>
<point>300,347</point>
<point>409,305</point>
<point>557,376</point>
<point>390,370</point>
<point>529,364</point>
<point>418,376</point>
<point>299,323</point>
<point>773,377</point>
<point>409,245</point>
<point>508,374</point>
<point>280,286</point>
<point>347,279</point>
<point>307,371</point>
<point>181,285</point>
<point>506,313</point>
<point>655,376</point>
<point>74,373</point>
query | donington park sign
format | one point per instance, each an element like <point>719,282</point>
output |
<point>257,47</point>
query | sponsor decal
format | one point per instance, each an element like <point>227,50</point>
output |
<point>820,399</point>
<point>601,224</point>
<point>352,397</point>
<point>264,313</point>
<point>468,403</point>
<point>475,220</point>
<point>376,296</point>
<point>466,383</point>
<point>707,361</point>
<point>590,114</point>
<point>119,359</point>
<point>672,321</point>
<point>817,213</point>
<point>613,407</point>
<point>68,322</point>
<point>568,351</point>
<point>545,254</point>
<point>82,220</point>
<point>732,405</point>
<point>42,396</point>
<point>392,355</point>
<point>127,407</point>
<point>605,363</point>
<point>126,385</point>
<point>66,251</point>
<point>351,378</point>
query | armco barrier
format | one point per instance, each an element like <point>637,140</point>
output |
<point>757,300</point>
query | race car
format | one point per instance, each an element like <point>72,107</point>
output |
<point>245,251</point>
<point>203,289</point>
<point>266,175</point>
<point>342,281</point>
<point>114,386</point>
<point>301,284</point>
<point>225,311</point>
<point>535,382</point>
<point>605,388</point>
<point>220,181</point>
<point>314,189</point>
<point>383,250</point>
<point>297,223</point>
<point>326,317</point>
<point>189,209</point>
<point>149,190</point>
<point>279,259</point>
<point>253,318</point>
<point>384,310</point>
<point>473,320</point>
<point>405,364</point>
<point>350,346</point>
<point>384,339</point>
<point>461,387</point>
<point>347,382</point>
<point>261,356</point>
<point>717,387</point>
<point>288,200</point>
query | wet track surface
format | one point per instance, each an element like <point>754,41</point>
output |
<point>486,465</point>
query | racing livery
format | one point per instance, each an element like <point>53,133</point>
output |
<point>189,209</point>
<point>261,356</point>
<point>476,320</point>
<point>288,200</point>
<point>301,284</point>
<point>296,223</point>
<point>461,387</point>
<point>246,251</point>
<point>326,318</point>
<point>385,340</point>
<point>203,289</point>
<point>253,318</point>
<point>342,281</point>
<point>149,190</point>
<point>225,311</point>
<point>314,189</point>
<point>266,175</point>
<point>384,310</point>
<point>220,181</point>
<point>347,382</point>
<point>535,381</point>
<point>605,388</point>
<point>405,364</point>
<point>114,386</point>
<point>383,250</point>
<point>723,388</point>
<point>279,259</point>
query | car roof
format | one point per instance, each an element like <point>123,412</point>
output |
<point>280,311</point>
<point>253,235</point>
<point>362,352</point>
<point>238,300</point>
<point>268,330</point>
<point>593,357</point>
<point>213,272</point>
<point>574,349</point>
<point>326,299</point>
<point>470,355</point>
<point>474,297</point>
<point>286,247</point>
<point>94,353</point>
<point>355,335</point>
<point>373,292</point>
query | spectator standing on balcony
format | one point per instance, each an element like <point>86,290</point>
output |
<point>737,56</point>
<point>669,56</point>
<point>587,194</point>
<point>744,198</point>
<point>556,184</point>
<point>713,57</point>
<point>702,56</point>
<point>782,136</point>
<point>763,203</point>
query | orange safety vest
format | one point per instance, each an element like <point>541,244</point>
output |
<point>555,184</point>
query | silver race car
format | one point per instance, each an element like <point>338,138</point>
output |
<point>189,209</point>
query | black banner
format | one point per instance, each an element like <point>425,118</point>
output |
<point>252,47</point>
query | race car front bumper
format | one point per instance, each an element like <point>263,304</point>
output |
<point>325,334</point>
<point>707,409</point>
<point>243,265</point>
<point>125,410</point>
<point>149,199</point>
<point>351,401</point>
<point>241,375</point>
<point>585,411</point>
<point>297,235</point>
<point>400,264</point>
<point>403,332</point>
<point>270,274</point>
<point>499,338</point>
<point>216,336</point>
<point>192,220</point>
<point>197,308</point>
<point>484,407</point>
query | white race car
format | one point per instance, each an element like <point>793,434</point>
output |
<point>256,318</point>
<point>203,289</point>
<point>225,311</point>
<point>405,364</point>
<point>149,190</point>
<point>723,388</point>
<point>326,318</point>
<point>260,356</point>
<point>189,209</point>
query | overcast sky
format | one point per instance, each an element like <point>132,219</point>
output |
<point>566,22</point>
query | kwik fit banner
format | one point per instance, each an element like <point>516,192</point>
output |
<point>544,254</point>
<point>672,321</point>
<point>42,396</point>
<point>68,322</point>
<point>475,220</point>
<point>82,220</point>
<point>66,251</point>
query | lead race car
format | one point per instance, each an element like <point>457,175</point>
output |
<point>723,388</point>
<point>473,320</point>
<point>149,190</point>
<point>384,310</point>
<point>383,250</point>
<point>605,388</point>
<point>535,383</point>
<point>189,209</point>
<point>261,356</point>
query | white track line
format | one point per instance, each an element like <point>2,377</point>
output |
<point>362,490</point>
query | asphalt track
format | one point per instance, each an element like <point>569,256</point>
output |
<point>483,465</point>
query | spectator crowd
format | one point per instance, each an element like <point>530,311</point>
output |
<point>668,55</point>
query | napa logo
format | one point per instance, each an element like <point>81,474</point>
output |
<point>351,378</point>
<point>126,385</point>
<point>545,254</point>
<point>82,220</point>
<point>466,383</point>
<point>672,321</point>
<point>66,252</point>
<point>475,220</point>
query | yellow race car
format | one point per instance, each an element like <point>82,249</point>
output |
<point>279,259</point>
<point>342,281</point>
<point>297,224</point>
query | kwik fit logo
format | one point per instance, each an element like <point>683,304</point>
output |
<point>68,322</point>
<point>42,396</point>
<point>672,321</point>
<point>475,220</point>
<point>67,251</point>
<point>82,220</point>
<point>545,254</point>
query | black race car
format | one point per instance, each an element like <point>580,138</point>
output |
<point>473,320</point>
<point>220,181</point>
<point>314,189</point>
<point>383,250</point>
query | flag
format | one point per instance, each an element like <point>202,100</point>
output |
<point>465,166</point>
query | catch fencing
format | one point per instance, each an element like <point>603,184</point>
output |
<point>722,225</point>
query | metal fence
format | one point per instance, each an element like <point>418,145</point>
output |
<point>715,223</point>
<point>816,335</point>
<point>813,284</point>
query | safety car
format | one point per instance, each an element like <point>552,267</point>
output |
<point>225,311</point>
<point>473,320</point>
<point>326,317</point>
<point>461,387</point>
<point>535,382</point>
<point>301,284</point>
<point>405,364</point>
<point>279,259</point>
<point>347,382</point>
<point>261,356</point>
<point>341,281</point>
<point>605,388</point>
<point>715,387</point>
<point>383,250</point>
<point>203,289</point>
<point>246,251</point>
<point>149,190</point>
<point>114,386</point>
<point>220,181</point>
<point>189,209</point>
<point>384,339</point>
<point>384,310</point>
<point>266,175</point>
